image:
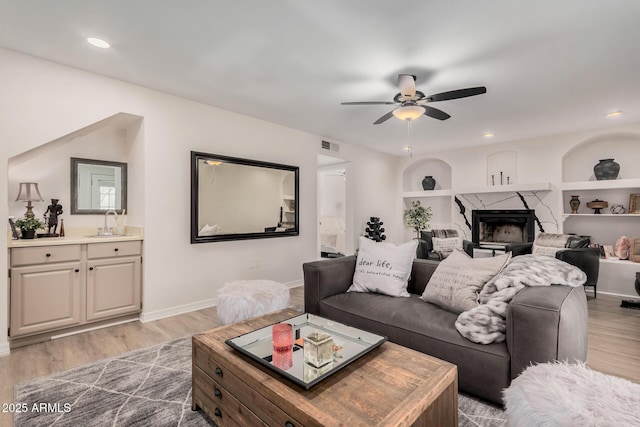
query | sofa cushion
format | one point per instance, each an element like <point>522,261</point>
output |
<point>446,245</point>
<point>458,279</point>
<point>383,267</point>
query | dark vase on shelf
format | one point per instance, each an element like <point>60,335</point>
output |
<point>575,204</point>
<point>606,169</point>
<point>428,183</point>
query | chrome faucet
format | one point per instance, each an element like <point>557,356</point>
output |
<point>108,231</point>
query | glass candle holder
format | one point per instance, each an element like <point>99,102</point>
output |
<point>318,349</point>
<point>282,337</point>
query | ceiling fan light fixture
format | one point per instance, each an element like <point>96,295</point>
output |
<point>409,112</point>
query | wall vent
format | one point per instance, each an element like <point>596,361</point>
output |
<point>331,146</point>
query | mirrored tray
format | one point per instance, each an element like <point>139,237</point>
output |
<point>348,344</point>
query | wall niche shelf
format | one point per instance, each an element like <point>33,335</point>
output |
<point>601,185</point>
<point>427,193</point>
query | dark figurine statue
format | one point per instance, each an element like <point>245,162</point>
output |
<point>53,211</point>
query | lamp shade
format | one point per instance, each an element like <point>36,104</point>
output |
<point>409,112</point>
<point>29,192</point>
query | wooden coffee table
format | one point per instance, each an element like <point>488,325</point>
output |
<point>390,386</point>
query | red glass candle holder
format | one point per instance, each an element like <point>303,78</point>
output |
<point>282,337</point>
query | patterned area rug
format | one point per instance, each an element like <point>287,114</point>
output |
<point>149,387</point>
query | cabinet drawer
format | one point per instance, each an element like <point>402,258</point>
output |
<point>243,392</point>
<point>220,405</point>
<point>44,254</point>
<point>113,249</point>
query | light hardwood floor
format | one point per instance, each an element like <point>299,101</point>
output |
<point>614,344</point>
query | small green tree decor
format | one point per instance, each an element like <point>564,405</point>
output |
<point>417,217</point>
<point>28,226</point>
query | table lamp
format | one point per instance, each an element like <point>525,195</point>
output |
<point>29,193</point>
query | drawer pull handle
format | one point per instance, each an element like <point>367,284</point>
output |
<point>116,249</point>
<point>48,255</point>
<point>217,413</point>
<point>217,392</point>
<point>219,372</point>
<point>288,424</point>
<point>77,270</point>
<point>90,268</point>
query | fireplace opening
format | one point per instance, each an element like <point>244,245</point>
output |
<point>497,228</point>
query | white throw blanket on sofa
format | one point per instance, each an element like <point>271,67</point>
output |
<point>486,323</point>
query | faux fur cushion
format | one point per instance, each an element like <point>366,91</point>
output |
<point>566,394</point>
<point>383,267</point>
<point>458,279</point>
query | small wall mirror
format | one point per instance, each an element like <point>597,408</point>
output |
<point>97,186</point>
<point>234,199</point>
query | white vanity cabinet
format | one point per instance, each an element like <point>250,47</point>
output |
<point>46,288</point>
<point>55,288</point>
<point>113,279</point>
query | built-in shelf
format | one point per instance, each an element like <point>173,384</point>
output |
<point>601,185</point>
<point>427,193</point>
<point>510,188</point>
<point>288,197</point>
<point>604,215</point>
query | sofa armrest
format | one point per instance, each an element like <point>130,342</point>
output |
<point>547,323</point>
<point>325,278</point>
<point>586,259</point>
<point>519,248</point>
<point>467,246</point>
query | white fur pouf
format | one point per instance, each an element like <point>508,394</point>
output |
<point>243,299</point>
<point>564,394</point>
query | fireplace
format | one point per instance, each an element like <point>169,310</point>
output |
<point>497,228</point>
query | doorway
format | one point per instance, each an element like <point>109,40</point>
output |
<point>334,213</point>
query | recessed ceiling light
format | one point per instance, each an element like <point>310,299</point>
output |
<point>488,134</point>
<point>407,148</point>
<point>102,44</point>
<point>614,114</point>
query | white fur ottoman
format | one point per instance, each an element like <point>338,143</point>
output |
<point>562,394</point>
<point>243,299</point>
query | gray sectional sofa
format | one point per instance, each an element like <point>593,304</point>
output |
<point>543,324</point>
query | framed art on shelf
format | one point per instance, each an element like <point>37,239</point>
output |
<point>634,204</point>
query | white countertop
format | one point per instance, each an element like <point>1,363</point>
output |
<point>78,236</point>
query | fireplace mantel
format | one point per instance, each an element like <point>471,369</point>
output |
<point>540,186</point>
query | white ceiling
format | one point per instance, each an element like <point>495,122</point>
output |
<point>549,66</point>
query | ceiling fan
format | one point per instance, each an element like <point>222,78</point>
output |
<point>412,103</point>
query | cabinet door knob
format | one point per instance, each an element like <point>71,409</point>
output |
<point>48,255</point>
<point>219,372</point>
<point>217,392</point>
<point>116,249</point>
<point>217,413</point>
<point>91,268</point>
<point>77,270</point>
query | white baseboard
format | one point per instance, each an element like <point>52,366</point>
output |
<point>5,350</point>
<point>612,294</point>
<point>150,316</point>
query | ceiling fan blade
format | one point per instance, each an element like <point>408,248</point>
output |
<point>455,94</point>
<point>368,103</point>
<point>384,118</point>
<point>435,113</point>
<point>407,85</point>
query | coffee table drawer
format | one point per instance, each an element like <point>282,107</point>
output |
<point>223,408</point>
<point>258,404</point>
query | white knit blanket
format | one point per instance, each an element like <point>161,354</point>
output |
<point>486,323</point>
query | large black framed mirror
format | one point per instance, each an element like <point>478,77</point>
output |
<point>97,186</point>
<point>234,198</point>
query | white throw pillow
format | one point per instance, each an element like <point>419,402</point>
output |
<point>448,244</point>
<point>383,267</point>
<point>458,279</point>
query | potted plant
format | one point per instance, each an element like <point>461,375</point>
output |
<point>28,227</point>
<point>417,216</point>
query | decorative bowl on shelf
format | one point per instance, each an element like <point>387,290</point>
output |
<point>596,205</point>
